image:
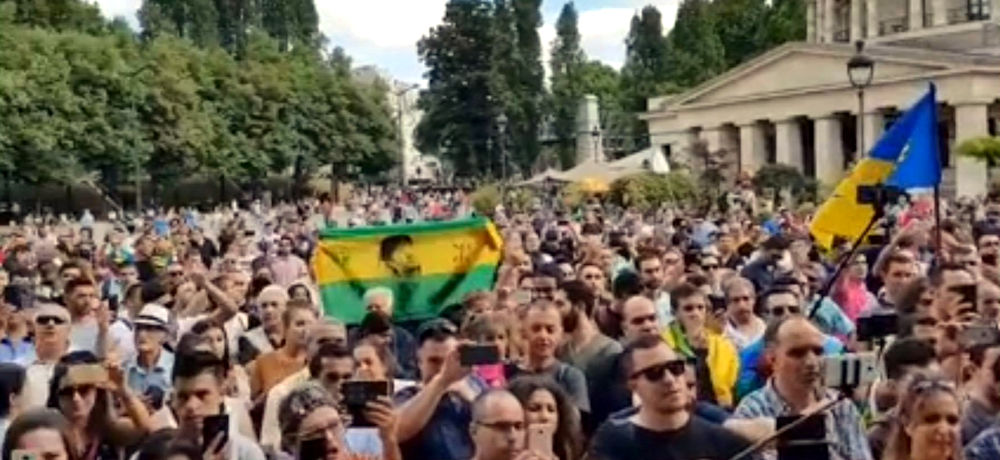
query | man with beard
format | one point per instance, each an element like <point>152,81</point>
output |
<point>795,346</point>
<point>542,330</point>
<point>663,427</point>
<point>585,347</point>
<point>651,275</point>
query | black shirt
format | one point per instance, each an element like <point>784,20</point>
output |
<point>620,439</point>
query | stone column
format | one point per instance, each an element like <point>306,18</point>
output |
<point>871,14</point>
<point>856,33</point>
<point>829,149</point>
<point>587,119</point>
<point>970,174</point>
<point>939,12</point>
<point>753,147</point>
<point>873,123</point>
<point>713,138</point>
<point>788,143</point>
<point>811,21</point>
<point>995,10</point>
<point>829,20</point>
<point>916,15</point>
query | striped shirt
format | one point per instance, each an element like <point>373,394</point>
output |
<point>844,430</point>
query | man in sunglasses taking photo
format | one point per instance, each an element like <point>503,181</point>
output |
<point>664,423</point>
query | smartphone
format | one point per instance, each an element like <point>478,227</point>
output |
<point>851,370</point>
<point>211,427</point>
<point>476,355</point>
<point>357,393</point>
<point>540,439</point>
<point>807,439</point>
<point>878,324</point>
<point>978,335</point>
<point>312,449</point>
<point>967,293</point>
<point>24,454</point>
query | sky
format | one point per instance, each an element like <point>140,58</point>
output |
<point>384,33</point>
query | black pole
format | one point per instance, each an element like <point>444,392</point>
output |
<point>939,251</point>
<point>825,291</point>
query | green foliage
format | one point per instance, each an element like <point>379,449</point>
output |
<point>737,24</point>
<point>76,103</point>
<point>483,60</point>
<point>459,108</point>
<point>567,82</point>
<point>485,199</point>
<point>986,148</point>
<point>695,50</point>
<point>649,191</point>
<point>646,72</point>
<point>775,177</point>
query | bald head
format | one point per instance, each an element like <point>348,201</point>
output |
<point>796,347</point>
<point>494,401</point>
<point>639,317</point>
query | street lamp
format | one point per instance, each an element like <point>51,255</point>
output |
<point>595,134</point>
<point>502,131</point>
<point>137,164</point>
<point>860,71</point>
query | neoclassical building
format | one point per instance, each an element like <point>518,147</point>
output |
<point>795,104</point>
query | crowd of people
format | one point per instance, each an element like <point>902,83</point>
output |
<point>680,334</point>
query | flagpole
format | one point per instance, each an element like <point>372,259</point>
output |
<point>938,252</point>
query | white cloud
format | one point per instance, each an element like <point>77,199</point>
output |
<point>380,23</point>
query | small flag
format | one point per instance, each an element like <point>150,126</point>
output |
<point>428,266</point>
<point>906,156</point>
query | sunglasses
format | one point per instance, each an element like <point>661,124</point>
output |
<point>50,321</point>
<point>82,390</point>
<point>656,372</point>
<point>790,309</point>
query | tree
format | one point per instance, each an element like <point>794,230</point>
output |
<point>695,49</point>
<point>529,88</point>
<point>646,72</point>
<point>737,24</point>
<point>785,21</point>
<point>290,22</point>
<point>567,67</point>
<point>458,108</point>
<point>63,15</point>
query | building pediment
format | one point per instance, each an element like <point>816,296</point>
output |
<point>802,67</point>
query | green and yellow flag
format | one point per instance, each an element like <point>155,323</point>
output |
<point>428,266</point>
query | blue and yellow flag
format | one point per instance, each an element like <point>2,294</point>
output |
<point>428,266</point>
<point>906,156</point>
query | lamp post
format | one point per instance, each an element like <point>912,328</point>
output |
<point>137,164</point>
<point>860,71</point>
<point>502,131</point>
<point>595,134</point>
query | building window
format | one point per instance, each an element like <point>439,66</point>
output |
<point>666,149</point>
<point>978,10</point>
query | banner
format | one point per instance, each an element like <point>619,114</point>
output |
<point>429,266</point>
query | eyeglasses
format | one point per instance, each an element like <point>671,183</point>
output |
<point>503,426</point>
<point>801,352</point>
<point>83,390</point>
<point>781,310</point>
<point>656,372</point>
<point>50,321</point>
